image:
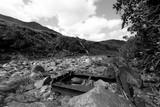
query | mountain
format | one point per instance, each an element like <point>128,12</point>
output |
<point>33,25</point>
<point>34,40</point>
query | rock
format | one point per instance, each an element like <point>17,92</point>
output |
<point>16,74</point>
<point>36,93</point>
<point>100,83</point>
<point>38,84</point>
<point>25,63</point>
<point>3,73</point>
<point>16,104</point>
<point>1,99</point>
<point>50,68</point>
<point>76,80</point>
<point>25,72</point>
<point>9,98</point>
<point>100,69</point>
<point>99,97</point>
<point>38,69</point>
<point>35,76</point>
<point>109,72</point>
<point>20,98</point>
<point>35,104</point>
<point>47,94</point>
<point>13,63</point>
<point>50,104</point>
<point>43,88</point>
<point>5,65</point>
<point>28,96</point>
<point>64,101</point>
<point>89,83</point>
<point>29,87</point>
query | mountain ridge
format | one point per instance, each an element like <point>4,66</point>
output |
<point>33,25</point>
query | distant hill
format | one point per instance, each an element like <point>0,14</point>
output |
<point>113,43</point>
<point>34,40</point>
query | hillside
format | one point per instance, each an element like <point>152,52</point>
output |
<point>33,25</point>
<point>113,43</point>
<point>19,37</point>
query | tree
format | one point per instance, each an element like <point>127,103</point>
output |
<point>143,16</point>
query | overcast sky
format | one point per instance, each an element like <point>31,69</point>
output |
<point>88,19</point>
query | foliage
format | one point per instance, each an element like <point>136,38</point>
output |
<point>143,17</point>
<point>69,43</point>
<point>130,49</point>
<point>15,38</point>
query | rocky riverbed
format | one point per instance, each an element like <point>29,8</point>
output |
<point>22,83</point>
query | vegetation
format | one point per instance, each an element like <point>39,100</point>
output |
<point>143,17</point>
<point>18,38</point>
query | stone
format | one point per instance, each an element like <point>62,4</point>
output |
<point>20,98</point>
<point>38,69</point>
<point>100,69</point>
<point>25,63</point>
<point>16,104</point>
<point>9,98</point>
<point>1,99</point>
<point>100,83</point>
<point>65,100</point>
<point>109,72</point>
<point>35,104</point>
<point>36,93</point>
<point>76,80</point>
<point>3,73</point>
<point>38,84</point>
<point>29,87</point>
<point>13,63</point>
<point>50,104</point>
<point>99,97</point>
<point>26,72</point>
<point>35,76</point>
<point>50,68</point>
<point>16,74</point>
<point>43,88</point>
<point>47,94</point>
<point>5,65</point>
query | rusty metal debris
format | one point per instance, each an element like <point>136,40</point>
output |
<point>67,85</point>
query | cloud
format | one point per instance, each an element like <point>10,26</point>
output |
<point>75,17</point>
<point>92,27</point>
<point>96,24</point>
<point>50,27</point>
<point>118,34</point>
<point>14,8</point>
<point>114,23</point>
<point>67,12</point>
<point>97,37</point>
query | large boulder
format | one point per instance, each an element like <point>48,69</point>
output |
<point>99,97</point>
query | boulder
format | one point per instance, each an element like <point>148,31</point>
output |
<point>99,97</point>
<point>39,83</point>
<point>38,69</point>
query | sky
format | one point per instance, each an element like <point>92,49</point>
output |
<point>93,20</point>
